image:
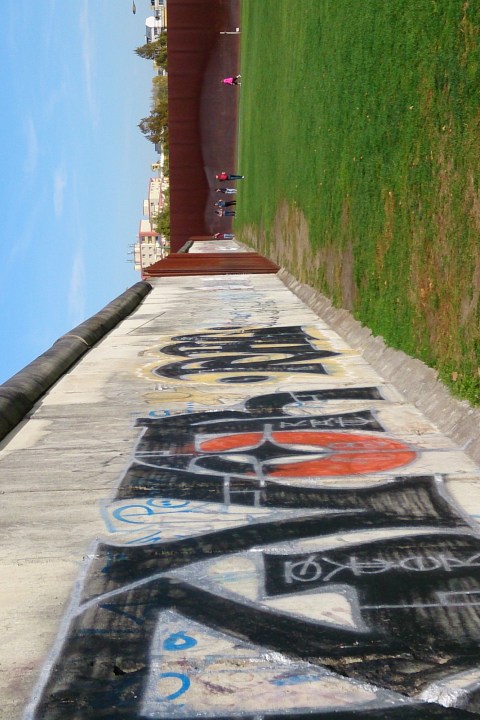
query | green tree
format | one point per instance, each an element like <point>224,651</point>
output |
<point>166,162</point>
<point>156,50</point>
<point>162,222</point>
<point>155,126</point>
<point>159,88</point>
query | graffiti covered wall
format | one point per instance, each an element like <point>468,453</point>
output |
<point>289,537</point>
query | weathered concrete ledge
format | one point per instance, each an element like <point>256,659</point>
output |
<point>417,382</point>
<point>20,393</point>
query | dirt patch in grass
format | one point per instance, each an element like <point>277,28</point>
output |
<point>348,286</point>
<point>385,240</point>
<point>445,277</point>
<point>432,272</point>
<point>443,213</point>
<point>290,247</point>
<point>470,303</point>
<point>473,202</point>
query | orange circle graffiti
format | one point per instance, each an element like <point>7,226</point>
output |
<point>344,453</point>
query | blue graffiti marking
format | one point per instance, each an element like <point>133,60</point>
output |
<point>179,641</point>
<point>146,539</point>
<point>168,503</point>
<point>125,512</point>
<point>136,514</point>
<point>295,679</point>
<point>182,689</point>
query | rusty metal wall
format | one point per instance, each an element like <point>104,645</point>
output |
<point>194,28</point>
<point>229,263</point>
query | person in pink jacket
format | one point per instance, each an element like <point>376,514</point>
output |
<point>233,80</point>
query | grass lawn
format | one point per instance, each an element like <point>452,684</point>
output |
<point>359,137</point>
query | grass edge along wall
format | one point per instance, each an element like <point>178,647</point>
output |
<point>358,137</point>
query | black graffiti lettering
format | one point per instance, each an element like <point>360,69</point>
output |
<point>352,421</point>
<point>294,363</point>
<point>304,570</point>
<point>408,501</point>
<point>118,640</point>
<point>299,570</point>
<point>291,424</point>
<point>356,420</point>
<point>358,567</point>
<point>421,564</point>
<point>414,591</point>
<point>244,379</point>
<point>417,563</point>
<point>276,403</point>
<point>239,354</point>
<point>169,436</point>
<point>400,566</point>
<point>240,340</point>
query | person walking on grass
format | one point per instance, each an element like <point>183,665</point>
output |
<point>232,80</point>
<point>225,203</point>
<point>228,176</point>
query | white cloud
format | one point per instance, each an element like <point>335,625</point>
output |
<point>26,230</point>
<point>57,96</point>
<point>59,185</point>
<point>31,148</point>
<point>88,55</point>
<point>20,246</point>
<point>76,290</point>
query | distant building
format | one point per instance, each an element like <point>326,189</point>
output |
<point>156,24</point>
<point>156,197</point>
<point>150,247</point>
<point>160,10</point>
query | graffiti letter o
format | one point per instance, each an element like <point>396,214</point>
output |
<point>179,641</point>
<point>420,563</point>
<point>183,688</point>
<point>307,570</point>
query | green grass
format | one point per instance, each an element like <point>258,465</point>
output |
<point>363,117</point>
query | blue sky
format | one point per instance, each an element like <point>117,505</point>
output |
<point>75,166</point>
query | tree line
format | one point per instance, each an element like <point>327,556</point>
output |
<point>155,125</point>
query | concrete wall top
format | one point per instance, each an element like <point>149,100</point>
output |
<point>19,394</point>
